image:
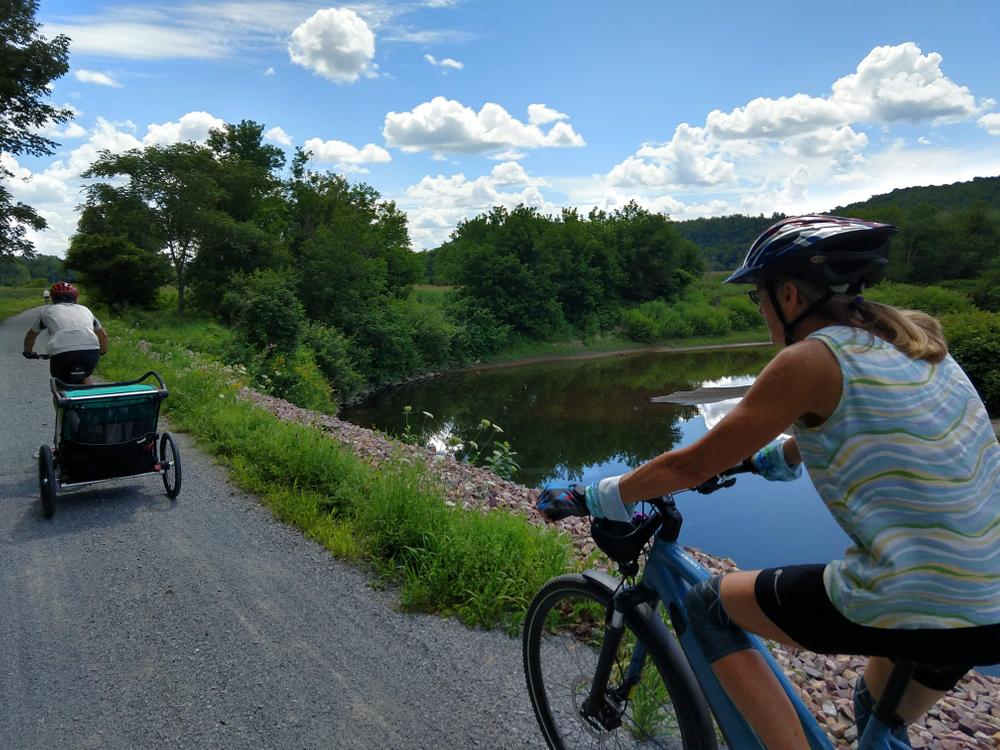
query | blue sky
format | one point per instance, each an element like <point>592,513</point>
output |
<point>449,107</point>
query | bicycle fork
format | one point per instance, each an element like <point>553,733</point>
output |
<point>604,707</point>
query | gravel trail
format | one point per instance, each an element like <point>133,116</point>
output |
<point>130,621</point>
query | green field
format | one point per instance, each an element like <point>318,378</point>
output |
<point>17,299</point>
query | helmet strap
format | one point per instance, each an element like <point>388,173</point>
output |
<point>789,327</point>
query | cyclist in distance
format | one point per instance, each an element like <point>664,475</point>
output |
<point>76,337</point>
<point>901,451</point>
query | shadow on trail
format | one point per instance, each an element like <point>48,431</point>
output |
<point>98,506</point>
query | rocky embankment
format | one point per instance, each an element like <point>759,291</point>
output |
<point>968,717</point>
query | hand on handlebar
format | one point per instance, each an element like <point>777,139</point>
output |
<point>30,355</point>
<point>718,482</point>
<point>556,503</point>
<point>726,478</point>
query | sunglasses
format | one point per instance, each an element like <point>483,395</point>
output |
<point>754,295</point>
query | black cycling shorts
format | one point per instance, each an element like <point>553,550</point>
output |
<point>795,599</point>
<point>61,366</point>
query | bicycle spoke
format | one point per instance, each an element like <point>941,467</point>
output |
<point>568,652</point>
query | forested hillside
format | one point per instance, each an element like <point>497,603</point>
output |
<point>724,239</point>
<point>955,197</point>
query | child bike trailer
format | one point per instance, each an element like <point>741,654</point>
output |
<point>107,431</point>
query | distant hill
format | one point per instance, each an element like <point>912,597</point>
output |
<point>724,240</point>
<point>957,196</point>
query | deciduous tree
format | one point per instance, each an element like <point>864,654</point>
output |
<point>28,64</point>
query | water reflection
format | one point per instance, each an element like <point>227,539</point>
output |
<point>714,412</point>
<point>585,420</point>
<point>562,418</point>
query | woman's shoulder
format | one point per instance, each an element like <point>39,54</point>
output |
<point>844,335</point>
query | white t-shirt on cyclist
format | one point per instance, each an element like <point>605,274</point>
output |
<point>70,327</point>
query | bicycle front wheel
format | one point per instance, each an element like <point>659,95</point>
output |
<point>563,634</point>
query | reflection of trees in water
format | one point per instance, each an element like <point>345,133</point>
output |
<point>561,417</point>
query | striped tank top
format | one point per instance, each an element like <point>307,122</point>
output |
<point>909,466</point>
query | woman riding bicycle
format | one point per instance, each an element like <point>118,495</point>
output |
<point>76,338</point>
<point>900,449</point>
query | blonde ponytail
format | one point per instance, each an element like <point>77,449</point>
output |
<point>916,334</point>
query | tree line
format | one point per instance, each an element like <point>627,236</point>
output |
<point>315,272</point>
<point>541,276</point>
<point>947,233</point>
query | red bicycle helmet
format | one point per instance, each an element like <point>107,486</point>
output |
<point>63,291</point>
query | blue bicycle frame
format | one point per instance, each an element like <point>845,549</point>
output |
<point>670,572</point>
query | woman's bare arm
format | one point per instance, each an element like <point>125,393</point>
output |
<point>801,380</point>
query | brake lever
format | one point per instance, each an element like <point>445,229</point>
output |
<point>714,484</point>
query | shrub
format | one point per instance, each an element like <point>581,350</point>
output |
<point>103,262</point>
<point>478,333</point>
<point>986,292</point>
<point>935,300</point>
<point>704,319</point>
<point>332,351</point>
<point>433,333</point>
<point>743,314</point>
<point>639,326</point>
<point>294,377</point>
<point>385,350</point>
<point>264,310</point>
<point>974,341</point>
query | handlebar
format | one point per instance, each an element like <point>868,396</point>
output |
<point>724,479</point>
<point>623,541</point>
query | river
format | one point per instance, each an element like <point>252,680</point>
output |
<point>581,420</point>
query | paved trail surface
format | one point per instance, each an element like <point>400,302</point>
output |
<point>130,621</point>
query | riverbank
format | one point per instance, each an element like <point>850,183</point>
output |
<point>968,717</point>
<point>528,351</point>
<point>614,353</point>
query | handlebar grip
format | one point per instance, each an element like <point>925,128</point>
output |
<point>746,467</point>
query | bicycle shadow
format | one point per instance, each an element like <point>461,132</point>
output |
<point>97,506</point>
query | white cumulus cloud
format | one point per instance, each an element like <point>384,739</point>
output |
<point>990,123</point>
<point>444,63</point>
<point>774,118</point>
<point>435,205</point>
<point>447,126</point>
<point>901,83</point>
<point>891,84</point>
<point>345,156</point>
<point>92,76</point>
<point>509,173</point>
<point>336,43</point>
<point>193,126</point>
<point>539,114</point>
<point>278,135</point>
<point>689,158</point>
<point>838,142</point>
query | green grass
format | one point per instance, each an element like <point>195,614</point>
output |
<point>432,296</point>
<point>164,329</point>
<point>482,568</point>
<point>17,299</point>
